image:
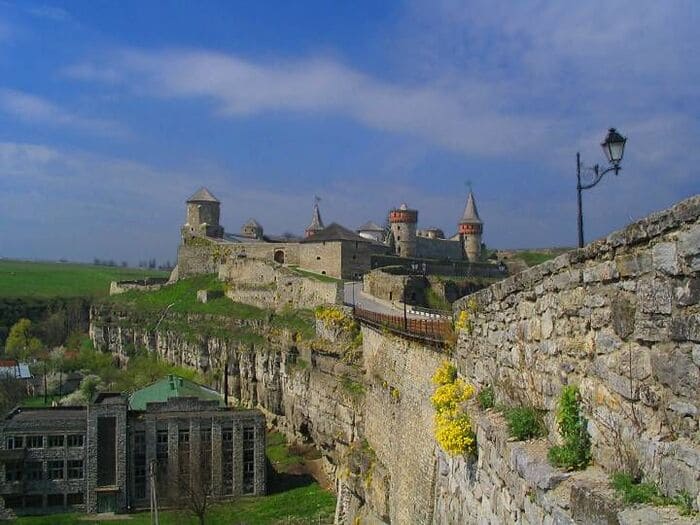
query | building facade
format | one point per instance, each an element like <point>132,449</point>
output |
<point>108,456</point>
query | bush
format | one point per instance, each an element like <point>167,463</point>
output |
<point>486,398</point>
<point>453,429</point>
<point>575,453</point>
<point>524,423</point>
<point>632,491</point>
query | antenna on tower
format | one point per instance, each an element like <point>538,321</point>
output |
<point>468,184</point>
<point>317,199</point>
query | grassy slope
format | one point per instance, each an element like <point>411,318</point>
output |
<point>46,280</point>
<point>183,296</point>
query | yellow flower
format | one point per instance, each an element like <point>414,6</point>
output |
<point>445,374</point>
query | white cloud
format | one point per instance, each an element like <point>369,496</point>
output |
<point>56,14</point>
<point>33,109</point>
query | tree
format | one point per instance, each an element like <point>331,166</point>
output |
<point>20,343</point>
<point>196,497</point>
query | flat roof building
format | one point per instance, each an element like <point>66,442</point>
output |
<point>97,458</point>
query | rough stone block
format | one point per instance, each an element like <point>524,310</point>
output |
<point>676,370</point>
<point>654,296</point>
<point>688,293</point>
<point>666,258</point>
<point>602,272</point>
<point>535,471</point>
<point>689,247</point>
<point>631,265</point>
<point>686,328</point>
<point>590,506</point>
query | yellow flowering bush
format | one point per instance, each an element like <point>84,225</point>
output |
<point>453,429</point>
<point>455,434</point>
<point>445,374</point>
<point>335,318</point>
<point>447,398</point>
<point>464,320</point>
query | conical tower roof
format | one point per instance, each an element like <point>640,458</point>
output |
<point>316,222</point>
<point>471,215</point>
<point>203,195</point>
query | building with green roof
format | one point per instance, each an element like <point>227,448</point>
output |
<point>169,387</point>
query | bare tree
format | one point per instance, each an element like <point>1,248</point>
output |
<point>196,497</point>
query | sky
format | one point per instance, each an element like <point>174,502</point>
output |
<point>112,113</point>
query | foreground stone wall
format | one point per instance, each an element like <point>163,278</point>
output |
<point>621,319</point>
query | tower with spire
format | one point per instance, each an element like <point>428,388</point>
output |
<point>470,229</point>
<point>202,220</point>
<point>316,224</point>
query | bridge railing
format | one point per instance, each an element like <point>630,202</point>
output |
<point>431,330</point>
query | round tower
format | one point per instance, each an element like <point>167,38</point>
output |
<point>403,227</point>
<point>470,229</point>
<point>203,211</point>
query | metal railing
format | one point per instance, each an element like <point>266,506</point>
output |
<point>431,330</point>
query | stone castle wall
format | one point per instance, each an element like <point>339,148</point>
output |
<point>438,249</point>
<point>620,318</point>
<point>269,285</point>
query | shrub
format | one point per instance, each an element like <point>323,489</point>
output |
<point>575,453</point>
<point>633,491</point>
<point>453,429</point>
<point>524,423</point>
<point>454,433</point>
<point>486,398</point>
<point>445,374</point>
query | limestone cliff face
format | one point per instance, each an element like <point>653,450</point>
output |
<point>312,395</point>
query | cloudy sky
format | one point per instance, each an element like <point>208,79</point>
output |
<point>113,112</point>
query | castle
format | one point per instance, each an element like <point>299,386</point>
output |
<point>331,250</point>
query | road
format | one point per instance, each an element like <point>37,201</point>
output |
<point>353,291</point>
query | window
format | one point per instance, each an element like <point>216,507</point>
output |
<point>13,471</point>
<point>162,444</point>
<point>106,450</point>
<point>76,440</point>
<point>55,469</point>
<point>75,469</point>
<point>248,460</point>
<point>55,441</point>
<point>227,460</point>
<point>35,441</point>
<point>318,257</point>
<point>205,452</point>
<point>75,498</point>
<point>183,437</point>
<point>13,501</point>
<point>140,464</point>
<point>54,500</point>
<point>33,500</point>
<point>15,442</point>
<point>34,471</point>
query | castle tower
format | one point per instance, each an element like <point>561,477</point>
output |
<point>470,230</point>
<point>316,222</point>
<point>252,229</point>
<point>403,227</point>
<point>202,216</point>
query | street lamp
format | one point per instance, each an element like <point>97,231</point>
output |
<point>614,148</point>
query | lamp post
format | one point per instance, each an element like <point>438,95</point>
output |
<point>614,148</point>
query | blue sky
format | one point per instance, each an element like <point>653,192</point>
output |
<point>113,112</point>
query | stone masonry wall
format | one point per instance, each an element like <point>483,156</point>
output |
<point>269,285</point>
<point>438,249</point>
<point>621,319</point>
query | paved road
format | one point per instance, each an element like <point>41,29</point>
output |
<point>366,301</point>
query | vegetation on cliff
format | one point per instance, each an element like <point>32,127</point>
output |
<point>453,429</point>
<point>575,453</point>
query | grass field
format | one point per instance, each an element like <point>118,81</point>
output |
<point>46,280</point>
<point>309,504</point>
